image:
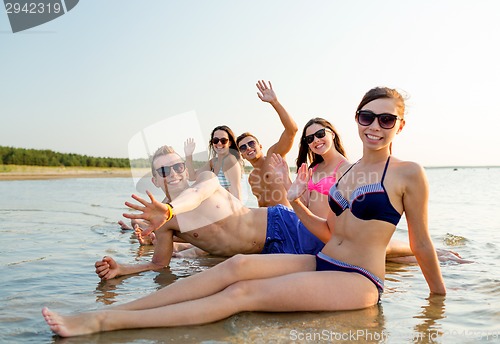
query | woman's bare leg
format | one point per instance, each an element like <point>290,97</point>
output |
<point>208,282</point>
<point>298,291</point>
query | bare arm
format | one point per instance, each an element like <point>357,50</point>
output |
<point>232,170</point>
<point>415,205</point>
<point>108,268</point>
<point>157,213</point>
<point>315,224</point>
<point>189,147</point>
<point>285,142</point>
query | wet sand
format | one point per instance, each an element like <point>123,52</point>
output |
<point>16,172</point>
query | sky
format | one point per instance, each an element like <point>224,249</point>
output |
<point>118,78</point>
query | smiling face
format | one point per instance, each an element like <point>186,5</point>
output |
<point>253,148</point>
<point>319,145</point>
<point>374,136</point>
<point>220,148</point>
<point>175,182</point>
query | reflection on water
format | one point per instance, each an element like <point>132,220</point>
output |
<point>429,327</point>
<point>54,231</point>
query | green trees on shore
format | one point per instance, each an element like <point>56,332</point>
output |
<point>36,157</point>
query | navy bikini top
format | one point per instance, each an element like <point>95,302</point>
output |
<point>368,202</point>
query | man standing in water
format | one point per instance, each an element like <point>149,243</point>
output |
<point>268,187</point>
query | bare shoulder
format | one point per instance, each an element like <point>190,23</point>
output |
<point>344,167</point>
<point>204,176</point>
<point>408,170</point>
<point>230,160</point>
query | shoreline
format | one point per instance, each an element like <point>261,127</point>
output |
<point>19,172</point>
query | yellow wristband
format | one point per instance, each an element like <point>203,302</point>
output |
<point>170,211</point>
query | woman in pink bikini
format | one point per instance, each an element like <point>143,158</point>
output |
<point>321,147</point>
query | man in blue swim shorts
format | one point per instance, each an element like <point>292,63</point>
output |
<point>209,217</point>
<point>286,234</point>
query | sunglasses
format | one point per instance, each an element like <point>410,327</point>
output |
<point>319,134</point>
<point>385,120</point>
<point>222,140</point>
<point>165,170</point>
<point>245,146</point>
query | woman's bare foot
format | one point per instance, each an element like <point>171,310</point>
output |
<point>181,246</point>
<point>192,252</point>
<point>69,326</point>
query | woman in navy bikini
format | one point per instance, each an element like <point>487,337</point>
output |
<point>347,274</point>
<point>224,160</point>
<point>321,148</point>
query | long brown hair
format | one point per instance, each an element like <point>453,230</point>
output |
<point>305,152</point>
<point>233,147</point>
<point>384,92</point>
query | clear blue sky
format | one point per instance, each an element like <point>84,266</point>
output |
<point>90,80</point>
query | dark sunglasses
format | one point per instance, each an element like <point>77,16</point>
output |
<point>216,140</point>
<point>245,146</point>
<point>165,170</point>
<point>385,120</point>
<point>319,134</point>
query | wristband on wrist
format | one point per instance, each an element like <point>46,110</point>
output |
<point>170,211</point>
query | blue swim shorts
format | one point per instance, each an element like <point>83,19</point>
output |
<point>286,234</point>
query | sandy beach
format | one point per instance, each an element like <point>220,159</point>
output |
<point>18,172</point>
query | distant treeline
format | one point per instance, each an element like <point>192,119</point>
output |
<point>45,157</point>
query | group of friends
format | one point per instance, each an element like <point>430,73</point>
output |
<point>318,243</point>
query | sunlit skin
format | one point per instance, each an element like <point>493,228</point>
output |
<point>284,282</point>
<point>207,216</point>
<point>315,201</point>
<point>224,160</point>
<point>268,188</point>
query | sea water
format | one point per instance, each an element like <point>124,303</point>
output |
<point>52,232</point>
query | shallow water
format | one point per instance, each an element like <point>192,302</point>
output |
<point>54,230</point>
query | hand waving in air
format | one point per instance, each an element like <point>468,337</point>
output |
<point>189,147</point>
<point>299,185</point>
<point>156,213</point>
<point>266,92</point>
<point>280,167</point>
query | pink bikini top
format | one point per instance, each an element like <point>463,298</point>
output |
<point>324,184</point>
